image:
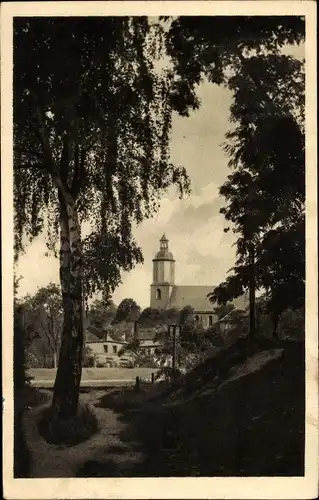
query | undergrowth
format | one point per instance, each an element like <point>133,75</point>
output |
<point>68,432</point>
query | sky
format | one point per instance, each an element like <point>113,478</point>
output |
<point>202,250</point>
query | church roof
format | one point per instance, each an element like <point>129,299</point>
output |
<point>164,255</point>
<point>196,296</point>
<point>163,238</point>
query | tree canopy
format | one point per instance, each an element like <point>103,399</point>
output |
<point>90,114</point>
<point>265,144</point>
<point>215,47</point>
<point>128,311</point>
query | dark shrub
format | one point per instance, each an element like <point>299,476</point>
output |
<point>69,431</point>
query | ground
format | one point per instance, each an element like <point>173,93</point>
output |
<point>241,413</point>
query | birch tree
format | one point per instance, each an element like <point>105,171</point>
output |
<point>92,125</point>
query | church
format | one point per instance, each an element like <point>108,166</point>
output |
<point>165,294</point>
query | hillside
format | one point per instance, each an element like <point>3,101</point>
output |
<point>239,413</point>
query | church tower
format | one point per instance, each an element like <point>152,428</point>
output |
<point>163,276</point>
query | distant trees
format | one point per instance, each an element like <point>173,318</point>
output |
<point>42,319</point>
<point>21,340</point>
<point>187,315</point>
<point>222,310</point>
<point>100,315</point>
<point>171,316</point>
<point>128,311</point>
<point>151,317</point>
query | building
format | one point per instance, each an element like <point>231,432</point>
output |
<point>165,294</point>
<point>112,352</point>
<point>107,351</point>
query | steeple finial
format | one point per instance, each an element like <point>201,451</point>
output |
<point>164,242</point>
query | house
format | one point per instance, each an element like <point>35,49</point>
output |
<point>147,340</point>
<point>165,294</point>
<point>107,351</point>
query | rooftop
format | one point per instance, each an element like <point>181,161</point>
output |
<point>196,296</point>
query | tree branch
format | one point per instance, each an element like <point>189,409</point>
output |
<point>267,98</point>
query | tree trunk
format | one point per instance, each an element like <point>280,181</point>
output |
<point>55,362</point>
<point>252,291</point>
<point>67,382</point>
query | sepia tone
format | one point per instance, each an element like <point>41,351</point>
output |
<point>159,196</point>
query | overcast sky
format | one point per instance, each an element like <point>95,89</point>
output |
<point>194,227</point>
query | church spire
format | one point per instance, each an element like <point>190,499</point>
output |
<point>164,242</point>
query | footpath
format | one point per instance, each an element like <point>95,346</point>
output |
<point>104,447</point>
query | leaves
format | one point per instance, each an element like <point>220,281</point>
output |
<point>213,47</point>
<point>127,311</point>
<point>41,320</point>
<point>92,121</point>
<point>265,192</point>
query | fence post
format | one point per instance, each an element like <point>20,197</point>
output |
<point>137,383</point>
<point>153,377</point>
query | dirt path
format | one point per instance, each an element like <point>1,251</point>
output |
<point>104,452</point>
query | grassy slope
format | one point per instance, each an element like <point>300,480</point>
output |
<point>252,426</point>
<point>28,397</point>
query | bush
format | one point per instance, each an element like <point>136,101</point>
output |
<point>168,373</point>
<point>33,397</point>
<point>88,362</point>
<point>70,431</point>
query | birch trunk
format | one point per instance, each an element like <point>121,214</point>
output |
<point>67,382</point>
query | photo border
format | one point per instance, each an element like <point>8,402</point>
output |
<point>166,488</point>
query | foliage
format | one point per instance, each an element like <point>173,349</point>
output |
<point>43,319</point>
<point>128,311</point>
<point>100,315</point>
<point>20,382</point>
<point>223,309</point>
<point>168,373</point>
<point>170,316</point>
<point>292,324</point>
<point>213,47</point>
<point>88,359</point>
<point>151,317</point>
<point>187,315</point>
<point>73,97</point>
<point>22,339</point>
<point>265,192</point>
